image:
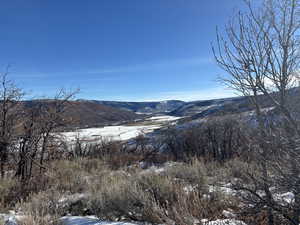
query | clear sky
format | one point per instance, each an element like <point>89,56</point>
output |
<point>114,49</point>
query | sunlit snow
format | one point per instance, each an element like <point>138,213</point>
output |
<point>118,133</point>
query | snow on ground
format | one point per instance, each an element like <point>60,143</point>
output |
<point>7,219</point>
<point>88,220</point>
<point>92,220</point>
<point>11,219</point>
<point>287,197</point>
<point>142,113</point>
<point>223,222</point>
<point>77,220</point>
<point>118,133</point>
<point>228,214</point>
<point>223,188</point>
<point>67,220</point>
<point>163,118</point>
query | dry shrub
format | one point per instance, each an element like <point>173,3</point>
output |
<point>118,198</point>
<point>119,155</point>
<point>63,176</point>
<point>73,176</point>
<point>162,189</point>
<point>130,198</point>
<point>123,159</point>
<point>157,157</point>
<point>218,139</point>
<point>92,166</point>
<point>53,205</point>
<point>45,203</point>
<point>240,170</point>
<point>33,219</point>
<point>104,147</point>
<point>68,177</point>
<point>179,195</point>
<point>13,190</point>
<point>42,208</point>
<point>126,159</point>
<point>7,192</point>
<point>193,173</point>
<point>154,198</point>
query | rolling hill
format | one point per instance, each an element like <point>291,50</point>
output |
<point>144,107</point>
<point>90,114</point>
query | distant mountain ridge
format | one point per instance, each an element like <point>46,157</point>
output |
<point>143,107</point>
<point>93,113</point>
<point>194,109</point>
<point>89,113</point>
<point>206,107</point>
<point>179,108</point>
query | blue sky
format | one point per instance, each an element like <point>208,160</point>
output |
<point>114,49</point>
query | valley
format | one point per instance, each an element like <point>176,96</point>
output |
<point>150,112</point>
<point>123,132</point>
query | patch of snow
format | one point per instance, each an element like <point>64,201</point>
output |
<point>188,189</point>
<point>228,214</point>
<point>163,118</point>
<point>157,169</point>
<point>287,197</point>
<point>117,133</point>
<point>72,198</point>
<point>143,113</point>
<point>153,169</point>
<point>89,220</point>
<point>223,222</point>
<point>11,219</point>
<point>224,189</point>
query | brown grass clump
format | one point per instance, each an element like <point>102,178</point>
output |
<point>169,198</point>
<point>74,176</point>
<point>42,208</point>
<point>7,192</point>
<point>34,219</point>
<point>179,194</point>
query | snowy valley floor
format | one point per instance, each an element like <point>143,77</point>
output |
<point>119,133</point>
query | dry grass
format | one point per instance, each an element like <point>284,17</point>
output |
<point>42,208</point>
<point>7,187</point>
<point>171,197</point>
<point>34,220</point>
<point>178,195</point>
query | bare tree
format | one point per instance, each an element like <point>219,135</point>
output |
<point>52,117</point>
<point>260,52</point>
<point>37,137</point>
<point>10,97</point>
<point>28,144</point>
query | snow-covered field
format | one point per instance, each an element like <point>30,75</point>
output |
<point>122,133</point>
<point>163,118</point>
<point>111,132</point>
